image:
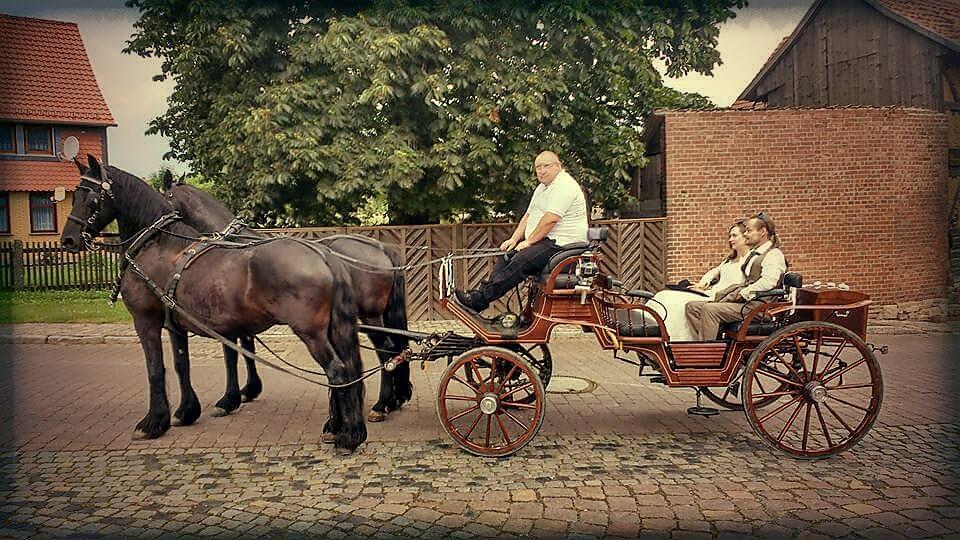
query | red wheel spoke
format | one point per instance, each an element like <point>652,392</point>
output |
<point>789,366</point>
<point>477,374</point>
<point>849,386</point>
<point>517,389</point>
<point>777,377</point>
<point>847,403</point>
<point>780,409</point>
<point>516,420</point>
<point>793,417</point>
<point>464,412</point>
<point>844,370</point>
<point>796,343</point>
<point>826,432</point>
<point>503,429</point>
<point>473,426</point>
<point>486,438</point>
<point>507,378</point>
<point>465,383</point>
<point>778,393</point>
<point>835,356</point>
<point>806,428</point>
<point>460,398</point>
<point>837,416</point>
<point>518,405</point>
<point>816,356</point>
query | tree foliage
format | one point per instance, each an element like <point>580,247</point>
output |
<point>300,111</point>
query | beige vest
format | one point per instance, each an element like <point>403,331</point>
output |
<point>732,293</point>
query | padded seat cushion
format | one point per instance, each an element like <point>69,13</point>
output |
<point>632,323</point>
<point>755,328</point>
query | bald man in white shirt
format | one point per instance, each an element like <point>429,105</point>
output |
<point>555,217</point>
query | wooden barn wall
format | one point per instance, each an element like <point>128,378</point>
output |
<point>851,54</point>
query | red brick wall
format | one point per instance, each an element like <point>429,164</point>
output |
<point>858,194</point>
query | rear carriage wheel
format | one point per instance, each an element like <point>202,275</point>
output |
<point>830,399</point>
<point>491,401</point>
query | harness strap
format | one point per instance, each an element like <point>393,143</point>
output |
<point>136,246</point>
<point>186,258</point>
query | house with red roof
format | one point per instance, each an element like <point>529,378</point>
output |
<point>48,93</point>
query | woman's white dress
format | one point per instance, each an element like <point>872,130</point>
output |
<point>671,305</point>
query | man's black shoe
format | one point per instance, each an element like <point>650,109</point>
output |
<point>471,299</point>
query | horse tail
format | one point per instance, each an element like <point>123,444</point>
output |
<point>395,316</point>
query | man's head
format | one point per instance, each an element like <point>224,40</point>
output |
<point>547,166</point>
<point>760,228</point>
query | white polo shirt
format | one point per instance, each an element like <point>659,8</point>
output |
<point>564,198</point>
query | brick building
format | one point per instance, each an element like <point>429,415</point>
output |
<point>48,92</point>
<point>845,137</point>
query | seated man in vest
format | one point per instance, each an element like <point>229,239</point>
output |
<point>555,217</point>
<point>763,269</point>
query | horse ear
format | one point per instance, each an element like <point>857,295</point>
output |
<point>83,168</point>
<point>167,179</point>
<point>95,169</point>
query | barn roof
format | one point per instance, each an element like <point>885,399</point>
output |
<point>45,75</point>
<point>938,20</point>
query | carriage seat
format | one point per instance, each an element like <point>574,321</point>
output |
<point>568,280</point>
<point>764,328</point>
<point>632,323</point>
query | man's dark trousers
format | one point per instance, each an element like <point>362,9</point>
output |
<point>508,272</point>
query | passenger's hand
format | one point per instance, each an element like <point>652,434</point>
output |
<point>698,287</point>
<point>523,245</point>
<point>508,244</point>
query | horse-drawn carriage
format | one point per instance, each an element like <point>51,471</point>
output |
<point>798,365</point>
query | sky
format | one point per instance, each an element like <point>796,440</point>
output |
<point>134,98</point>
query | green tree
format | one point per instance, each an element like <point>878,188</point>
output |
<point>302,111</point>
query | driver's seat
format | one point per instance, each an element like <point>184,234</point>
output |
<point>567,279</point>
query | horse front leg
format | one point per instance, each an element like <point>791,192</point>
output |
<point>254,385</point>
<point>231,395</point>
<point>157,420</point>
<point>189,409</point>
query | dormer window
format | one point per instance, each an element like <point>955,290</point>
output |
<point>39,139</point>
<point>8,139</point>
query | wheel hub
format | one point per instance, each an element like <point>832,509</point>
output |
<point>816,392</point>
<point>489,404</point>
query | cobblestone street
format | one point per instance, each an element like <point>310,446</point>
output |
<point>623,460</point>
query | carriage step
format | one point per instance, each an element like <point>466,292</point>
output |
<point>702,411</point>
<point>658,379</point>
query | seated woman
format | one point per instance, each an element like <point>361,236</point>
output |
<point>670,304</point>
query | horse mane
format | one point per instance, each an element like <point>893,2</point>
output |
<point>140,199</point>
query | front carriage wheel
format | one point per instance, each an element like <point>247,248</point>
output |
<point>490,401</point>
<point>830,398</point>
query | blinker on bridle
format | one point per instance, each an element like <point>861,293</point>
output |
<point>99,188</point>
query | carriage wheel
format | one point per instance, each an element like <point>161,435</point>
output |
<point>490,401</point>
<point>726,398</point>
<point>829,401</point>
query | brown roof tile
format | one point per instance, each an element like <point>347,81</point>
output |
<point>45,74</point>
<point>16,175</point>
<point>942,17</point>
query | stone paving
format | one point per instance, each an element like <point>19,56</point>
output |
<point>621,461</point>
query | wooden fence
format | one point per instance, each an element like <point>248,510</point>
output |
<point>47,266</point>
<point>634,252</point>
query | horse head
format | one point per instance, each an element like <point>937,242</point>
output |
<point>93,206</point>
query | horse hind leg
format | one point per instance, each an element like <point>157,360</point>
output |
<point>387,401</point>
<point>189,409</point>
<point>230,401</point>
<point>254,386</point>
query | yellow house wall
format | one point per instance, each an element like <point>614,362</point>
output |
<point>20,219</point>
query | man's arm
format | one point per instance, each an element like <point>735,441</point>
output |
<point>517,235</point>
<point>547,222</point>
<point>772,268</point>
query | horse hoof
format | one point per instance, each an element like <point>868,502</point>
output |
<point>343,452</point>
<point>218,412</point>
<point>376,416</point>
<point>328,438</point>
<point>176,422</point>
<point>245,399</point>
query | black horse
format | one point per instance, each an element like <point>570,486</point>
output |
<point>234,292</point>
<point>379,293</point>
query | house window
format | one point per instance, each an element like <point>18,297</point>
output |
<point>8,139</point>
<point>43,212</point>
<point>39,139</point>
<point>4,212</point>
